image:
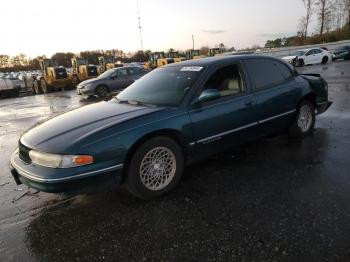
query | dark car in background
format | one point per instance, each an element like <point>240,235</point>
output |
<point>110,81</point>
<point>176,114</point>
<point>342,52</point>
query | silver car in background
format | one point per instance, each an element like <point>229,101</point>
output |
<point>110,81</point>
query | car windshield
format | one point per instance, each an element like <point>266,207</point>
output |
<point>299,53</point>
<point>164,86</point>
<point>106,74</point>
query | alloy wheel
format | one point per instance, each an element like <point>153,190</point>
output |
<point>157,168</point>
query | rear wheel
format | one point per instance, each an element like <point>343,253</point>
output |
<point>325,60</point>
<point>304,121</point>
<point>102,91</point>
<point>155,168</point>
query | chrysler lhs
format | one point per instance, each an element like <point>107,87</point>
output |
<point>174,115</point>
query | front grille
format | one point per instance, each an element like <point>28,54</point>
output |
<point>61,73</point>
<point>23,153</point>
<point>92,71</point>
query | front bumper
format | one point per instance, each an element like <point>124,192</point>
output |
<point>85,92</point>
<point>85,179</point>
<point>323,107</point>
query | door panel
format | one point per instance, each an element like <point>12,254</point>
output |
<point>276,92</point>
<point>224,124</point>
<point>277,106</point>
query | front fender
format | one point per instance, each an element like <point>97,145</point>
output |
<point>117,141</point>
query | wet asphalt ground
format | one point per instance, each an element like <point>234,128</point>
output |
<point>274,199</point>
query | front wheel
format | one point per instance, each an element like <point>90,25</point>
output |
<point>324,60</point>
<point>102,91</point>
<point>155,168</point>
<point>304,121</point>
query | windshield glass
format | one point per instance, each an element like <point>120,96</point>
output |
<point>106,74</point>
<point>164,86</point>
<point>298,53</point>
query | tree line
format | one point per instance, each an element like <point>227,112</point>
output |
<point>23,63</point>
<point>333,24</point>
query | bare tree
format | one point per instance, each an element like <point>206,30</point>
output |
<point>347,11</point>
<point>324,14</point>
<point>306,20</point>
<point>338,14</point>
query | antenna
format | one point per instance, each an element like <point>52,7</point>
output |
<point>139,18</point>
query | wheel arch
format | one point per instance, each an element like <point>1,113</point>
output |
<point>171,133</point>
<point>310,97</point>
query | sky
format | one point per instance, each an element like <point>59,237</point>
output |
<point>37,27</point>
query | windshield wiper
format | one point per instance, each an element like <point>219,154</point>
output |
<point>132,102</point>
<point>138,103</point>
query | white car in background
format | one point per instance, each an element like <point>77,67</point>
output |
<point>309,57</point>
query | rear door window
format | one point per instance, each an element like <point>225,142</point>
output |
<point>263,73</point>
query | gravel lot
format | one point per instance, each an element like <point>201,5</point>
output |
<point>271,200</point>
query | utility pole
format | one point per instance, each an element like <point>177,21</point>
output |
<point>192,42</point>
<point>139,18</point>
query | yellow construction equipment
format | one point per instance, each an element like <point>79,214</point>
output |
<point>214,52</point>
<point>154,60</point>
<point>108,62</point>
<point>170,58</point>
<point>82,70</point>
<point>53,77</point>
<point>194,54</point>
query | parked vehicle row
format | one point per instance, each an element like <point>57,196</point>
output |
<point>174,115</point>
<point>320,55</point>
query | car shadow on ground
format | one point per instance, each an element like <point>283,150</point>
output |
<point>255,202</point>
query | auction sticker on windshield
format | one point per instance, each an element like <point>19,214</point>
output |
<point>192,68</point>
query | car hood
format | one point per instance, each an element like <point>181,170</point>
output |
<point>288,58</point>
<point>90,81</point>
<point>55,134</point>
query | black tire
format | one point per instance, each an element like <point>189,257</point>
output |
<point>75,81</point>
<point>133,177</point>
<point>43,86</point>
<point>102,91</point>
<point>301,63</point>
<point>324,60</point>
<point>36,89</point>
<point>295,131</point>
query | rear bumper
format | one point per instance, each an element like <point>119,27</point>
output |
<point>323,107</point>
<point>101,179</point>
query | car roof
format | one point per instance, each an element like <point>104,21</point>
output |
<point>207,61</point>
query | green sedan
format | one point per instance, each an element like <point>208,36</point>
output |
<point>174,115</point>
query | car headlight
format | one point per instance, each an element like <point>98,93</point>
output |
<point>59,161</point>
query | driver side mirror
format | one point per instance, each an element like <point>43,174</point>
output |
<point>209,95</point>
